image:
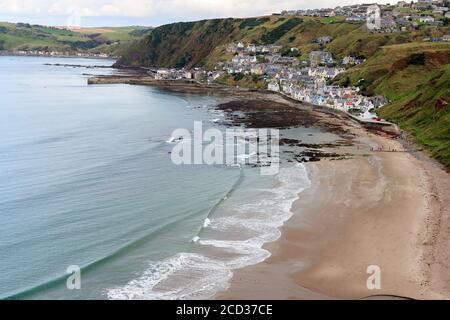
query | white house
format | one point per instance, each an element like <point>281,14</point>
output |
<point>317,57</point>
<point>273,86</point>
<point>426,19</point>
<point>367,115</point>
<point>162,74</point>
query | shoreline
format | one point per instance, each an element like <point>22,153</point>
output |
<point>387,209</point>
<point>134,77</point>
<point>377,208</point>
<point>12,54</point>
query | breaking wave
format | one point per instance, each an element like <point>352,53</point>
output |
<point>232,237</point>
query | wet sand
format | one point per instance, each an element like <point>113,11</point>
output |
<point>388,209</point>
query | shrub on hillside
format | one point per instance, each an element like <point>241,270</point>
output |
<point>274,35</point>
<point>417,59</point>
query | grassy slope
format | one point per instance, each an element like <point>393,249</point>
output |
<point>203,43</point>
<point>247,81</point>
<point>415,77</point>
<point>108,40</point>
<point>179,44</point>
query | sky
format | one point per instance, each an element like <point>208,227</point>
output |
<point>95,13</point>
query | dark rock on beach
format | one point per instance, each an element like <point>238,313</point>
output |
<point>266,114</point>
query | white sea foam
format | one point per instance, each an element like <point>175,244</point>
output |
<point>201,275</point>
<point>206,223</point>
<point>260,218</point>
<point>173,139</point>
<point>218,113</point>
<point>243,157</point>
<point>183,276</point>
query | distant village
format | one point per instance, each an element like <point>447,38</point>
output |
<point>402,16</point>
<point>308,80</point>
<point>44,53</point>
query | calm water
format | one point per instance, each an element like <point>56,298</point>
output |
<point>86,179</point>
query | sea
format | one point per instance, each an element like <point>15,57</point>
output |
<point>93,207</point>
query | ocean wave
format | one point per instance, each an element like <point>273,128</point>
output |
<point>202,275</point>
<point>183,276</point>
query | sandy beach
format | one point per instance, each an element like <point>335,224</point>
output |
<point>388,209</point>
<point>387,205</point>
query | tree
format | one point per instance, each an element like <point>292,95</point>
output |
<point>346,82</point>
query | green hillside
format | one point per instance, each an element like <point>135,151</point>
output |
<point>415,77</point>
<point>412,74</point>
<point>202,43</point>
<point>22,36</point>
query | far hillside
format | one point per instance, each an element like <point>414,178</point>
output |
<point>203,43</point>
<point>109,40</point>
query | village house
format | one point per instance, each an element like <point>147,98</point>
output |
<point>163,74</point>
<point>320,57</point>
<point>355,18</point>
<point>426,19</point>
<point>232,47</point>
<point>216,74</point>
<point>243,59</point>
<point>200,75</point>
<point>257,70</point>
<point>323,40</point>
<point>278,59</point>
<point>273,86</point>
<point>349,60</point>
